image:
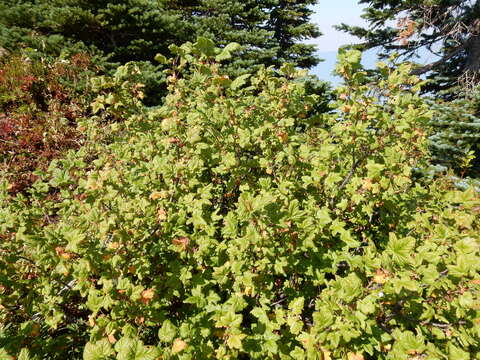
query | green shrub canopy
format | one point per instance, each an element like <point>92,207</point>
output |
<point>233,223</point>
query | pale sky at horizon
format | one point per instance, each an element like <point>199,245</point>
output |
<point>327,14</point>
<point>333,12</point>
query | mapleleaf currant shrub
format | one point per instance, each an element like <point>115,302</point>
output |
<point>233,223</point>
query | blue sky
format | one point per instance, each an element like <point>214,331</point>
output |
<point>334,12</point>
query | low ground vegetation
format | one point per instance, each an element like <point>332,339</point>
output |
<point>40,104</point>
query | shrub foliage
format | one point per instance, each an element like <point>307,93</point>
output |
<point>40,103</point>
<point>233,223</point>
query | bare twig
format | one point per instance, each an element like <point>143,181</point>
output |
<point>427,68</point>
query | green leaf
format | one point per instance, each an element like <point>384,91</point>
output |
<point>409,342</point>
<point>226,52</point>
<point>235,341</point>
<point>400,249</point>
<point>349,287</point>
<point>133,349</point>
<point>374,169</point>
<point>205,46</point>
<point>224,55</point>
<point>167,332</point>
<point>367,305</point>
<point>161,59</point>
<point>296,306</point>
<point>323,216</point>
<point>295,324</point>
<point>101,350</point>
<point>457,353</point>
<point>24,355</point>
<point>97,106</point>
<point>232,47</point>
<point>94,300</point>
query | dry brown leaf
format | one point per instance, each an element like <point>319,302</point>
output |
<point>111,338</point>
<point>178,345</point>
<point>147,296</point>
<point>282,136</point>
<point>35,330</point>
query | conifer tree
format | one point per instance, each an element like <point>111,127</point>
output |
<point>455,142</point>
<point>269,31</point>
<point>449,29</point>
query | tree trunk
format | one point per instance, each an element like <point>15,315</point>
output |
<point>473,55</point>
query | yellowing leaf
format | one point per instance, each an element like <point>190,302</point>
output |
<point>380,277</point>
<point>63,254</point>
<point>91,320</point>
<point>235,341</point>
<point>155,195</point>
<point>367,184</point>
<point>325,354</point>
<point>386,347</point>
<point>113,245</point>
<point>178,345</point>
<point>353,356</point>
<point>181,243</point>
<point>161,215</point>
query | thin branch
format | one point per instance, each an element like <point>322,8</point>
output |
<point>426,68</point>
<point>346,179</point>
